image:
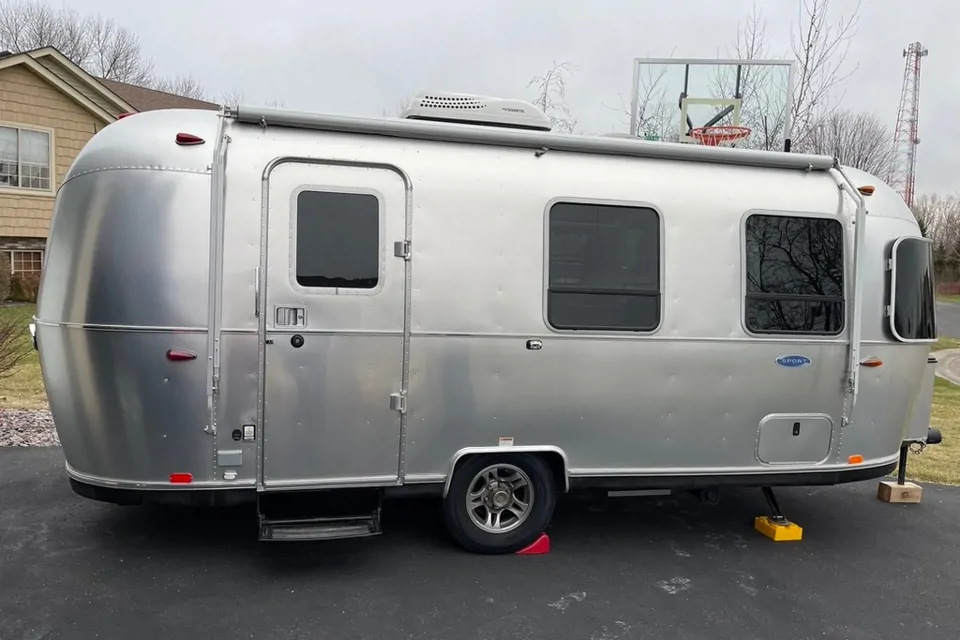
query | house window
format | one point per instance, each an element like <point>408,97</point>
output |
<point>24,158</point>
<point>26,262</point>
<point>604,268</point>
<point>338,240</point>
<point>794,275</point>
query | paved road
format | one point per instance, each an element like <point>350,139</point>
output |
<point>630,568</point>
<point>948,319</point>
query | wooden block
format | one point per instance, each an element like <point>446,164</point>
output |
<point>890,491</point>
<point>788,532</point>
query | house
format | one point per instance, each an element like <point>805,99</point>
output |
<point>50,108</point>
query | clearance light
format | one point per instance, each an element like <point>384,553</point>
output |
<point>867,189</point>
<point>124,115</point>
<point>188,139</point>
<point>180,354</point>
<point>181,478</point>
<point>855,459</point>
<point>872,361</point>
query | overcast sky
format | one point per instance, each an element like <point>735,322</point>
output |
<point>364,56</point>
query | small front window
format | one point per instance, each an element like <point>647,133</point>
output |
<point>913,294</point>
<point>24,158</point>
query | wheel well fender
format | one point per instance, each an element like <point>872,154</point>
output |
<point>554,456</point>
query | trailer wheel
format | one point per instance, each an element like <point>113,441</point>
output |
<point>498,503</point>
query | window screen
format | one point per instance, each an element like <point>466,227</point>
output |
<point>338,240</point>
<point>794,275</point>
<point>604,267</point>
<point>914,311</point>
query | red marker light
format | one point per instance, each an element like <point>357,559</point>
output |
<point>188,139</point>
<point>124,115</point>
<point>181,478</point>
<point>179,354</point>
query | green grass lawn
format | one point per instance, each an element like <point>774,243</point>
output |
<point>22,387</point>
<point>948,298</point>
<point>939,463</point>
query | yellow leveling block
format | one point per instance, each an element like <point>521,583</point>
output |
<point>778,532</point>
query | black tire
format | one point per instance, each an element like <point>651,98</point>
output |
<point>475,539</point>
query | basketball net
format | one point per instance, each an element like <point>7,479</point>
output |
<point>719,135</point>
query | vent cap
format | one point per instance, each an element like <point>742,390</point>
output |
<point>470,109</point>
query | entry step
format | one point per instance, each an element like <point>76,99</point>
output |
<point>319,515</point>
<point>319,528</point>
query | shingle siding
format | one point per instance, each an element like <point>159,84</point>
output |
<point>29,100</point>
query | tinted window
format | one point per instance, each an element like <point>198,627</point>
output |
<point>794,275</point>
<point>338,240</point>
<point>914,313</point>
<point>604,268</point>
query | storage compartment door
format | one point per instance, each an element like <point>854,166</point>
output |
<point>794,439</point>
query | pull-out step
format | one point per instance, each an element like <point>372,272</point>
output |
<point>319,515</point>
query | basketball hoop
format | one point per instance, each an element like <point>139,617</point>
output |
<point>719,135</point>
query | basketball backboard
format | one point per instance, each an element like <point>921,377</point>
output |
<point>673,96</point>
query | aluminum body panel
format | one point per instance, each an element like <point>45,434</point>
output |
<point>123,412</point>
<point>687,398</point>
<point>237,403</point>
<point>122,254</point>
<point>326,414</point>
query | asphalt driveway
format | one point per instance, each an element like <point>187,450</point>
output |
<point>624,568</point>
<point>948,319</point>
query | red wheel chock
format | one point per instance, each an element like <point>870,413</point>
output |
<point>540,546</point>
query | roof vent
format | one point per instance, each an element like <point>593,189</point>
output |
<point>470,109</point>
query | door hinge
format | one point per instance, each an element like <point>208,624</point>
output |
<point>887,310</point>
<point>402,249</point>
<point>398,402</point>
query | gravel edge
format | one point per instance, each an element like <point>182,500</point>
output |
<point>27,428</point>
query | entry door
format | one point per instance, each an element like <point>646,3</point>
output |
<point>334,325</point>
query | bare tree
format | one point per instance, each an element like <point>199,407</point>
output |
<point>821,52</point>
<point>857,139</point>
<point>96,44</point>
<point>232,98</point>
<point>820,49</point>
<point>186,86</point>
<point>552,95</point>
<point>939,219</point>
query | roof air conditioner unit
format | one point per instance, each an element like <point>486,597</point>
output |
<point>469,109</point>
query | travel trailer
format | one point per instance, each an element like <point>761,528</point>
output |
<point>315,312</point>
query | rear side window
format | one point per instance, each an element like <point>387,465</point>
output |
<point>338,240</point>
<point>913,294</point>
<point>794,270</point>
<point>604,267</point>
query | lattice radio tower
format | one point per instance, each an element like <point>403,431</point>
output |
<point>905,139</point>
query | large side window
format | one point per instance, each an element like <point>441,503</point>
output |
<point>794,275</point>
<point>913,296</point>
<point>338,240</point>
<point>604,267</point>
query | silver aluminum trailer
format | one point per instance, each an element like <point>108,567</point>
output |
<point>312,312</point>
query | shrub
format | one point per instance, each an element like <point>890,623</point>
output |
<point>24,287</point>
<point>4,276</point>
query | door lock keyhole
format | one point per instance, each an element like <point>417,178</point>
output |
<point>297,341</point>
